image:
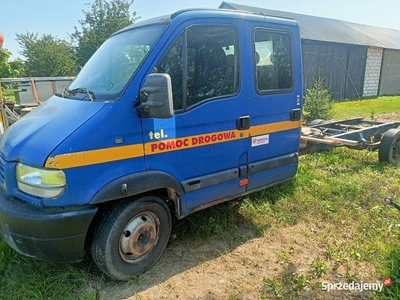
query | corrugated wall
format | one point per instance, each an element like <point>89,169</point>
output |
<point>390,74</point>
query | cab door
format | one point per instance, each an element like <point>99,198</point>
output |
<point>204,145</point>
<point>275,106</point>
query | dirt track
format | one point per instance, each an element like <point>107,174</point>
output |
<point>227,268</point>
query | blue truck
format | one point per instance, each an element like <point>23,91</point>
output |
<point>169,116</point>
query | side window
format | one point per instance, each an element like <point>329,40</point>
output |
<point>203,63</point>
<point>273,60</point>
<point>172,64</point>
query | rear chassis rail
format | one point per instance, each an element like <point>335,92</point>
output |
<point>355,133</point>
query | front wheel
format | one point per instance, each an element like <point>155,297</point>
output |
<point>131,237</point>
<point>389,149</point>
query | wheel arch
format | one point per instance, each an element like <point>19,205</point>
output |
<point>142,183</point>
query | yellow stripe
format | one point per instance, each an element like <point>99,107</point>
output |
<point>98,156</point>
<point>76,159</point>
<point>274,127</point>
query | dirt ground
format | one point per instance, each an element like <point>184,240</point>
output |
<point>234,266</point>
<point>389,117</point>
<point>238,264</point>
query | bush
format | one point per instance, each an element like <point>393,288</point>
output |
<point>318,102</point>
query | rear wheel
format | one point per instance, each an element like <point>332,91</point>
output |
<point>131,237</point>
<point>389,149</point>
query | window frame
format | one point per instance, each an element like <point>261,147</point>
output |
<point>183,34</point>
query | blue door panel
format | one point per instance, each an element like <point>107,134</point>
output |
<point>201,145</point>
<point>270,177</point>
<point>280,143</point>
<point>204,137</point>
<point>275,134</point>
<point>214,193</point>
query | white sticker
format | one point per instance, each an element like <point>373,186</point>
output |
<point>260,140</point>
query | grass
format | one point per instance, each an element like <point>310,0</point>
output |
<point>336,195</point>
<point>366,108</point>
<point>25,278</point>
<point>345,188</point>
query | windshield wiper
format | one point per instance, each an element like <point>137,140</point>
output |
<point>89,93</point>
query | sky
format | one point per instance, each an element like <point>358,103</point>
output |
<point>59,18</point>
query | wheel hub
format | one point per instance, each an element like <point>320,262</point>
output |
<point>139,236</point>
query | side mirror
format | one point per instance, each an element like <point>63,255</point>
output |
<point>157,92</point>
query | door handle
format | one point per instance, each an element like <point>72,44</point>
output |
<point>243,123</point>
<point>295,114</point>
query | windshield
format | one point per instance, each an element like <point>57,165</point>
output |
<point>109,70</point>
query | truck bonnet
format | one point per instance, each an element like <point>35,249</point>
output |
<point>32,138</point>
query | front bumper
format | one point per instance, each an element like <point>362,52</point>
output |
<point>56,235</point>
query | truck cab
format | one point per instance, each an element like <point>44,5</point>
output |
<point>169,116</point>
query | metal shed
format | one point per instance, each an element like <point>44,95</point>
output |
<point>356,60</point>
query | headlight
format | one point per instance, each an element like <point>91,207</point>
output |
<point>46,183</point>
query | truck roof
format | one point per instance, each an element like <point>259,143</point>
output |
<point>196,13</point>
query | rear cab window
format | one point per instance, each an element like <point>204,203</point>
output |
<point>273,61</point>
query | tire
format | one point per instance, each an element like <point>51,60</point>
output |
<point>131,237</point>
<point>389,149</point>
<point>318,122</point>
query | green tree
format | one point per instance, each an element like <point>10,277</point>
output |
<point>103,19</point>
<point>318,102</point>
<point>47,55</point>
<point>10,69</point>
